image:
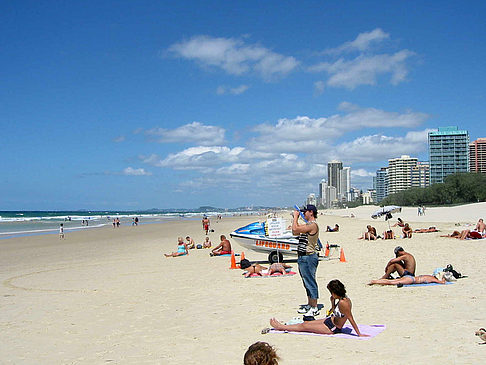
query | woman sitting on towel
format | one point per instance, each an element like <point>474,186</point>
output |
<point>408,280</point>
<point>181,249</point>
<point>340,314</point>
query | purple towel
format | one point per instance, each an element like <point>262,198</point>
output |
<point>347,331</point>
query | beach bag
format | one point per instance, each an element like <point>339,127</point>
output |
<point>453,272</point>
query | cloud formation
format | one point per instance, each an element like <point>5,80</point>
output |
<point>221,90</point>
<point>234,56</point>
<point>366,67</point>
<point>195,132</point>
<point>136,172</point>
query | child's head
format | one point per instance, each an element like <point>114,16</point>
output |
<point>261,353</point>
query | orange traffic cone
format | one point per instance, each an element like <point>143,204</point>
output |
<point>341,257</point>
<point>326,253</point>
<point>233,261</point>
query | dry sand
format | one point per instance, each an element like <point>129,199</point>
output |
<point>110,296</point>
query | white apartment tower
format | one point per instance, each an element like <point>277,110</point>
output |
<point>399,173</point>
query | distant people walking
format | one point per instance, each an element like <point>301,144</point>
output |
<point>114,223</point>
<point>61,231</point>
<point>136,221</point>
<point>118,222</point>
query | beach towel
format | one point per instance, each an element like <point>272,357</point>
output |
<point>428,284</point>
<point>347,331</point>
<point>265,275</point>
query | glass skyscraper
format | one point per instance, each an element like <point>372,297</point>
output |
<point>448,153</point>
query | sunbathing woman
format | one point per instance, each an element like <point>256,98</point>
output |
<point>341,313</point>
<point>399,223</point>
<point>251,268</point>
<point>181,249</point>
<point>407,280</point>
<point>278,267</point>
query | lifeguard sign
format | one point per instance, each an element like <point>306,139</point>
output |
<point>276,227</point>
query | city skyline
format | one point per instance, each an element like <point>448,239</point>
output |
<point>139,105</point>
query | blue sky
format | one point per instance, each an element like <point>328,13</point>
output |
<point>150,104</point>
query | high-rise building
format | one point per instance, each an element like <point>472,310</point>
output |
<point>331,196</point>
<point>322,192</point>
<point>345,184</point>
<point>477,156</point>
<point>421,175</point>
<point>334,174</point>
<point>381,184</point>
<point>311,199</point>
<point>448,153</point>
<point>399,173</point>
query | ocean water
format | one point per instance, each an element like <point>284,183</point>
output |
<point>26,223</point>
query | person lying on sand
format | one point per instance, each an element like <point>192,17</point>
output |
<point>181,249</point>
<point>335,229</point>
<point>408,280</point>
<point>224,248</point>
<point>455,234</point>
<point>403,264</point>
<point>370,234</point>
<point>278,267</point>
<point>340,314</point>
<point>426,230</point>
<point>465,234</point>
<point>250,268</point>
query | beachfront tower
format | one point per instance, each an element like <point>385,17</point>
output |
<point>421,175</point>
<point>477,156</point>
<point>448,153</point>
<point>381,184</point>
<point>334,169</point>
<point>400,173</point>
<point>322,192</point>
<point>345,184</point>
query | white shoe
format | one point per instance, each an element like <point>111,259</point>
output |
<point>312,312</point>
<point>304,309</point>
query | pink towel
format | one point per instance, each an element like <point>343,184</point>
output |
<point>348,331</point>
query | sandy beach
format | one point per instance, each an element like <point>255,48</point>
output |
<point>110,296</point>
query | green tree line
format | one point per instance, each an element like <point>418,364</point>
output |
<point>456,189</point>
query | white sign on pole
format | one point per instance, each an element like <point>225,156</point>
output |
<point>276,227</point>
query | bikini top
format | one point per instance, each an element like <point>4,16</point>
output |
<point>336,312</point>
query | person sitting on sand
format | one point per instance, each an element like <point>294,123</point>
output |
<point>181,249</point>
<point>408,280</point>
<point>190,243</point>
<point>261,353</point>
<point>250,268</point>
<point>403,264</point>
<point>480,226</point>
<point>407,231</point>
<point>389,235</point>
<point>224,248</point>
<point>335,229</point>
<point>399,223</point>
<point>370,234</point>
<point>340,314</point>
<point>207,243</point>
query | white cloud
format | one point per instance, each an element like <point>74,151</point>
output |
<point>221,90</point>
<point>194,132</point>
<point>362,42</point>
<point>378,147</point>
<point>362,173</point>
<point>319,87</point>
<point>136,172</point>
<point>119,139</point>
<point>364,70</point>
<point>315,135</point>
<point>234,56</point>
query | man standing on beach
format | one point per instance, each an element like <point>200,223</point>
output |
<point>205,224</point>
<point>307,256</point>
<point>61,231</point>
<point>403,263</point>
